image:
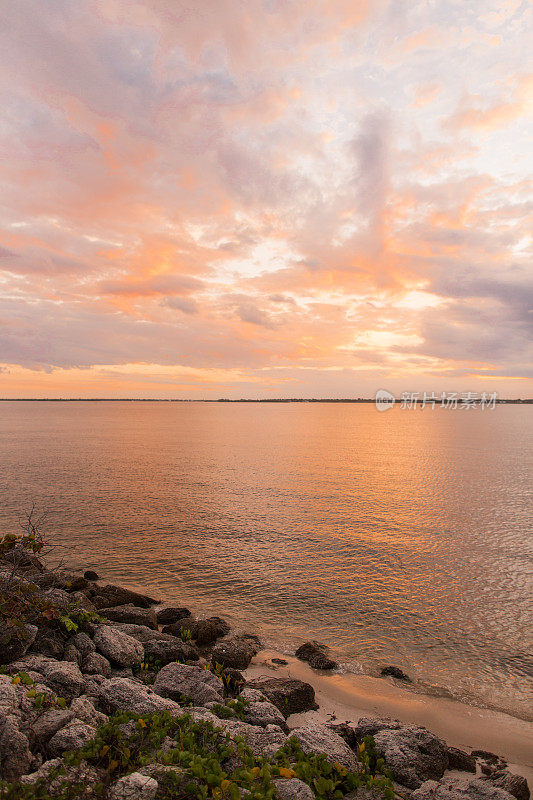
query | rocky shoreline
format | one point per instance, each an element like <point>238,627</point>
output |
<point>104,695</point>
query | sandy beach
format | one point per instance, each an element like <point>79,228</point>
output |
<point>346,698</point>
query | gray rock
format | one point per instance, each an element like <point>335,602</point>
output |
<point>59,597</point>
<point>234,653</point>
<point>291,696</point>
<point>64,678</point>
<point>514,784</point>
<point>134,787</point>
<point>73,736</point>
<point>82,708</point>
<point>49,723</point>
<point>131,615</point>
<point>459,759</point>
<point>81,601</point>
<point>453,788</point>
<point>194,683</point>
<point>315,738</point>
<point>117,646</point>
<point>72,654</point>
<point>292,789</point>
<point>261,741</point>
<point>316,655</point>
<point>396,672</point>
<point>411,753</point>
<point>166,616</point>
<point>96,664</point>
<point>263,713</point>
<point>8,696</point>
<point>15,642</point>
<point>83,776</point>
<point>160,646</point>
<point>49,642</point>
<point>15,755</point>
<point>117,694</point>
<point>111,595</point>
<point>84,644</point>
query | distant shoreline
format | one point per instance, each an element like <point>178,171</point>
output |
<point>499,401</point>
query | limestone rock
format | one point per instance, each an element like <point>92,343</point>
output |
<point>72,736</point>
<point>134,787</point>
<point>316,655</point>
<point>117,694</point>
<point>117,646</point>
<point>234,653</point>
<point>315,738</point>
<point>130,614</point>
<point>195,683</point>
<point>453,788</point>
<point>291,696</point>
<point>292,789</point>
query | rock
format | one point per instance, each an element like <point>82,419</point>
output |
<point>131,614</point>
<point>292,789</point>
<point>264,713</point>
<point>73,736</point>
<point>80,600</point>
<point>203,631</point>
<point>64,678</point>
<point>282,662</point>
<point>15,755</point>
<point>49,723</point>
<point>233,653</point>
<point>49,642</point>
<point>316,738</point>
<point>73,781</point>
<point>8,696</point>
<point>160,647</point>
<point>90,575</point>
<point>111,595</point>
<point>75,583</point>
<point>82,708</point>
<point>261,741</point>
<point>166,616</point>
<point>221,625</point>
<point>396,672</point>
<point>291,696</point>
<point>412,754</point>
<point>514,784</point>
<point>96,664</point>
<point>178,681</point>
<point>15,642</point>
<point>84,644</point>
<point>24,561</point>
<point>453,788</point>
<point>134,787</point>
<point>459,759</point>
<point>117,646</point>
<point>346,732</point>
<point>117,694</point>
<point>72,654</point>
<point>316,655</point>
<point>59,597</point>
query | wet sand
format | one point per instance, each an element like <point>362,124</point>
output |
<point>346,698</point>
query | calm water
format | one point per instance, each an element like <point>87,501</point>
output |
<point>401,537</point>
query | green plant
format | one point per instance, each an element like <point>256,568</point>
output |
<point>185,634</point>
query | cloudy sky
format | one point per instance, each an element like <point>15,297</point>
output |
<point>265,198</point>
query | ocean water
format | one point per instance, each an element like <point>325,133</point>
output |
<point>401,537</point>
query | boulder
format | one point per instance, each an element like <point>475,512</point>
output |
<point>459,759</point>
<point>411,753</point>
<point>49,723</point>
<point>81,601</point>
<point>131,615</point>
<point>84,644</point>
<point>117,694</point>
<point>291,696</point>
<point>161,647</point>
<point>261,741</point>
<point>263,713</point>
<point>75,780</point>
<point>134,786</point>
<point>113,643</point>
<point>166,616</point>
<point>73,736</point>
<point>8,696</point>
<point>514,784</point>
<point>82,708</point>
<point>15,642</point>
<point>90,575</point>
<point>233,653</point>
<point>96,664</point>
<point>178,681</point>
<point>111,595</point>
<point>64,678</point>
<point>315,738</point>
<point>15,755</point>
<point>396,672</point>
<point>316,655</point>
<point>221,625</point>
<point>292,789</point>
<point>454,788</point>
<point>49,642</point>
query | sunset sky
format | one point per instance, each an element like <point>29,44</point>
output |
<point>265,198</point>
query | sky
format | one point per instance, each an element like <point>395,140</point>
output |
<point>265,198</point>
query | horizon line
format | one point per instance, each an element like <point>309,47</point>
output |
<point>225,400</point>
